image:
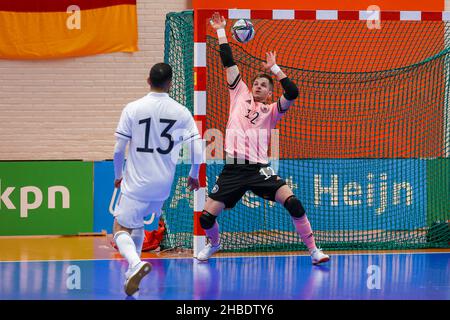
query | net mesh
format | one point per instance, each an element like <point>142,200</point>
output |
<point>177,210</point>
<point>365,146</point>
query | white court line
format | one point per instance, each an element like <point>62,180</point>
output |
<point>231,257</point>
<point>330,253</point>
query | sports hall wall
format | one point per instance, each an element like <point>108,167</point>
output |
<point>68,109</point>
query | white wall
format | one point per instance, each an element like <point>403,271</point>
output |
<point>69,108</point>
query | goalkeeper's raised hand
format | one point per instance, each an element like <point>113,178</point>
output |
<point>217,21</point>
<point>271,58</point>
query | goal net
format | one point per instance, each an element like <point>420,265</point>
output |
<point>365,146</point>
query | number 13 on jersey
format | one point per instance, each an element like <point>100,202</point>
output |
<point>164,134</point>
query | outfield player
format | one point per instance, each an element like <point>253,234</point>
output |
<point>247,165</point>
<point>155,127</point>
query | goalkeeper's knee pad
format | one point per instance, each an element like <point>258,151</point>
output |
<point>294,206</point>
<point>207,220</point>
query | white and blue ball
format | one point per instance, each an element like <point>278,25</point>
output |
<point>243,31</point>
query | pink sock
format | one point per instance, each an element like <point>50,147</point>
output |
<point>213,234</point>
<point>303,228</point>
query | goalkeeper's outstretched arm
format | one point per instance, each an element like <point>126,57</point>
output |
<point>290,89</point>
<point>218,22</point>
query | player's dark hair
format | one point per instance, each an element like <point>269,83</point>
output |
<point>264,75</point>
<point>160,75</point>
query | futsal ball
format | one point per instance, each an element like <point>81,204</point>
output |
<point>243,31</point>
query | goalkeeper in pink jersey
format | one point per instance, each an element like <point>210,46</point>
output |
<point>246,142</point>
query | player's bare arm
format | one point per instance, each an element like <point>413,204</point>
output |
<point>197,158</point>
<point>119,158</point>
<point>218,22</point>
<point>289,88</point>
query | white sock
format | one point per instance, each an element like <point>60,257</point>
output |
<point>138,236</point>
<point>127,248</point>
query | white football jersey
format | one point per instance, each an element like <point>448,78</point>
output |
<point>156,126</point>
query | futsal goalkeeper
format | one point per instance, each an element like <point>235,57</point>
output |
<point>247,166</point>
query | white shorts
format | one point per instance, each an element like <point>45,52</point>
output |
<point>130,213</point>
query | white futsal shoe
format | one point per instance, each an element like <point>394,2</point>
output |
<point>207,252</point>
<point>318,257</point>
<point>135,275</point>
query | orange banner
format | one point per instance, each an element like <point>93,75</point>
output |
<point>44,31</point>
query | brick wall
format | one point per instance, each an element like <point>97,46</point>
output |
<point>69,108</point>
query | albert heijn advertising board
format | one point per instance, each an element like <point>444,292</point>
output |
<point>388,194</point>
<point>339,194</point>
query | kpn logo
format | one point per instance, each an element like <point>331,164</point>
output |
<point>31,198</point>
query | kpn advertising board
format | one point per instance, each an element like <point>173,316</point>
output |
<point>46,198</point>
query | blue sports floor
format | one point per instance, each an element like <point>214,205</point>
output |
<point>405,276</point>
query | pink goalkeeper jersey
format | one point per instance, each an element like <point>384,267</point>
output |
<point>249,124</point>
